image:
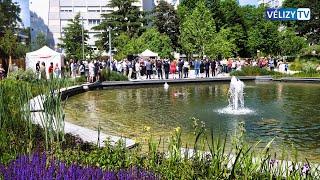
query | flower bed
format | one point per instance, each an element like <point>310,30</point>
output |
<point>39,166</point>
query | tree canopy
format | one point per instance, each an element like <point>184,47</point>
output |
<point>72,40</point>
<point>151,39</point>
<point>166,20</point>
<point>126,18</point>
<point>311,28</point>
<point>197,31</point>
<point>40,41</point>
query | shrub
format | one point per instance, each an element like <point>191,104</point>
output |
<point>253,71</point>
<point>27,75</point>
<point>311,51</point>
<point>107,75</point>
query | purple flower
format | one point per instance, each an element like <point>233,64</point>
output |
<point>305,168</point>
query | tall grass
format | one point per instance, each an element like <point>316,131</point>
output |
<point>208,159</point>
<point>19,134</point>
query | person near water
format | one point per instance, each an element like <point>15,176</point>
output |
<point>166,67</point>
<point>173,69</point>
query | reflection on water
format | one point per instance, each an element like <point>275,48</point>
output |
<point>287,112</point>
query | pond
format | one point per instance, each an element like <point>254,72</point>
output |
<point>287,112</point>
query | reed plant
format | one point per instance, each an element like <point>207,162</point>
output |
<point>209,158</point>
<point>19,133</point>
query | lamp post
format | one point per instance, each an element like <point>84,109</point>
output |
<point>110,47</point>
<point>82,41</point>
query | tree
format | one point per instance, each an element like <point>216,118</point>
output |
<point>120,42</point>
<point>311,28</point>
<point>290,43</point>
<point>151,39</point>
<point>9,19</point>
<point>223,45</point>
<point>8,44</point>
<point>126,18</point>
<point>40,41</point>
<point>198,30</point>
<point>72,40</point>
<point>264,37</point>
<point>167,21</point>
<point>9,16</point>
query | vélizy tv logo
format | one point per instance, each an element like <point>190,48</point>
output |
<point>288,14</point>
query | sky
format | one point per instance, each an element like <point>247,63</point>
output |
<point>248,2</point>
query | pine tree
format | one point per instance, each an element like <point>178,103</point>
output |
<point>167,21</point>
<point>126,18</point>
<point>72,40</point>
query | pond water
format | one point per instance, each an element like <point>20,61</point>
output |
<point>288,112</point>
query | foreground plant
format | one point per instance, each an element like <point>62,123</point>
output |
<point>39,166</point>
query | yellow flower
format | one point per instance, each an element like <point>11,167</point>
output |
<point>146,128</point>
<point>177,129</point>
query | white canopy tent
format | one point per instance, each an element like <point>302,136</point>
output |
<point>148,53</point>
<point>46,55</point>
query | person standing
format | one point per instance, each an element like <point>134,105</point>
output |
<point>186,69</point>
<point>207,67</point>
<point>82,69</point>
<point>73,67</point>
<point>180,68</point>
<point>197,68</point>
<point>213,68</point>
<point>201,69</point>
<point>43,71</point>
<point>56,71</point>
<point>129,64</point>
<point>51,71</point>
<point>38,70</point>
<point>137,68</point>
<point>149,69</point>
<point>271,64</point>
<point>173,69</point>
<point>166,67</point>
<point>159,69</point>
<point>91,72</point>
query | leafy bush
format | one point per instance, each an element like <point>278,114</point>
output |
<point>311,51</point>
<point>20,74</point>
<point>107,75</point>
<point>253,71</point>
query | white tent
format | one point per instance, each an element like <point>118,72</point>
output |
<point>148,53</point>
<point>46,55</point>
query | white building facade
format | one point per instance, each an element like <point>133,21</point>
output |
<point>271,3</point>
<point>51,16</point>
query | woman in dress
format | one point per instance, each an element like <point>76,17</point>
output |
<point>173,69</point>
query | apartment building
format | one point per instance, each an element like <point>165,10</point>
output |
<point>51,16</point>
<point>149,5</point>
<point>271,3</point>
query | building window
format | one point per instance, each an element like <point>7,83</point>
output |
<point>65,10</point>
<point>94,9</point>
<point>94,21</point>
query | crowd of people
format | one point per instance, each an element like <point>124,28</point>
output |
<point>147,68</point>
<point>53,70</point>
